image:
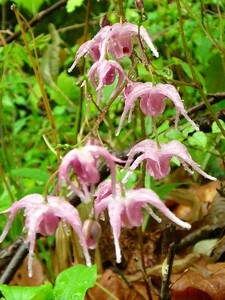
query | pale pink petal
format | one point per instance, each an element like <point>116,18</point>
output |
<point>13,210</point>
<point>110,159</point>
<point>115,222</point>
<point>106,72</point>
<point>148,196</point>
<point>84,49</point>
<point>169,91</point>
<point>158,159</point>
<point>131,95</point>
<point>144,35</point>
<point>175,148</point>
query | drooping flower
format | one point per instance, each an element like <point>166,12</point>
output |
<point>152,101</point>
<point>116,40</point>
<point>84,162</point>
<point>44,217</point>
<point>104,73</point>
<point>125,209</point>
<point>158,158</point>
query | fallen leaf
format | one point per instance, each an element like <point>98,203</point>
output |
<point>200,283</point>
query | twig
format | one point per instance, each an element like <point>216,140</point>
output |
<point>214,98</point>
<point>14,264</point>
<point>168,262</point>
<point>166,273</point>
<point>36,19</point>
<point>142,268</point>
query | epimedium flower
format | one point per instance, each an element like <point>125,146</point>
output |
<point>104,73</point>
<point>43,217</point>
<point>84,163</point>
<point>125,209</point>
<point>152,101</point>
<point>116,40</point>
<point>158,158</point>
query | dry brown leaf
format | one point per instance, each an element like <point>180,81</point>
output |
<point>200,283</point>
<point>21,276</point>
<point>194,201</point>
<point>206,192</point>
<point>118,289</point>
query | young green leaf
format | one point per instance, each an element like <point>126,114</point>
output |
<point>43,292</point>
<point>74,282</point>
<point>72,4</point>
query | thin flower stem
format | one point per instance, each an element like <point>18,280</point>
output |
<point>122,13</point>
<point>48,183</point>
<point>106,108</point>
<point>221,35</point>
<point>98,261</point>
<point>7,186</point>
<point>200,24</point>
<point>82,88</point>
<point>194,76</point>
<point>145,277</point>
<point>36,68</point>
<point>155,131</point>
<point>106,291</point>
<point>207,31</point>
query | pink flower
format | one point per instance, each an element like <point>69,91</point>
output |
<point>84,162</point>
<point>116,40</point>
<point>125,209</point>
<point>106,74</point>
<point>152,101</point>
<point>44,217</point>
<point>158,159</point>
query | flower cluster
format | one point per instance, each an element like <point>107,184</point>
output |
<point>79,168</point>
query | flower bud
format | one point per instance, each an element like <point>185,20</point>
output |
<point>92,232</point>
<point>139,4</point>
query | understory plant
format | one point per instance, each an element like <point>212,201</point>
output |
<point>116,52</point>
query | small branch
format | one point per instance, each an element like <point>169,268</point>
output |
<point>14,264</point>
<point>36,19</point>
<point>143,269</point>
<point>214,98</point>
<point>168,248</point>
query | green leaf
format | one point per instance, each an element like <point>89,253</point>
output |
<point>215,75</point>
<point>43,292</point>
<point>198,139</point>
<point>173,134</point>
<point>31,6</point>
<point>35,174</point>
<point>72,4</point>
<point>74,282</point>
<point>215,128</point>
<point>67,90</point>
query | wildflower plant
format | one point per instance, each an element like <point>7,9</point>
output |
<point>79,169</point>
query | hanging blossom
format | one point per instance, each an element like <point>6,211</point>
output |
<point>158,158</point>
<point>43,218</point>
<point>152,101</point>
<point>84,163</point>
<point>116,40</point>
<point>125,209</point>
<point>106,72</point>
